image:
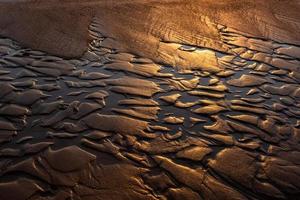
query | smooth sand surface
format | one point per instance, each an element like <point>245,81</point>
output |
<point>61,27</point>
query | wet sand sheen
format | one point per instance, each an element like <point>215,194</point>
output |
<point>187,101</point>
<point>62,27</point>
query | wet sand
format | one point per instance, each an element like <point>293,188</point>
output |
<point>127,100</point>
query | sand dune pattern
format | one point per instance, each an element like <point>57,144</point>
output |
<point>214,120</point>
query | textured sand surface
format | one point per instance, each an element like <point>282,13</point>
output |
<point>150,100</point>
